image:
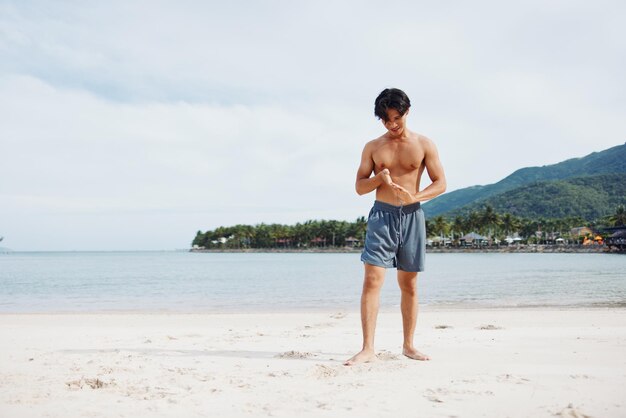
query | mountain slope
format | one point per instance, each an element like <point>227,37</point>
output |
<point>589,197</point>
<point>612,160</point>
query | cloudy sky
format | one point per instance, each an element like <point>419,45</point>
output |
<point>132,124</point>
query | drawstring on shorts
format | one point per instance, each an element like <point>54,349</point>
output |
<point>401,225</point>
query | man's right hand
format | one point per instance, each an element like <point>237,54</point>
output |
<point>386,177</point>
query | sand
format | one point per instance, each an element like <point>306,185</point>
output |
<point>485,363</point>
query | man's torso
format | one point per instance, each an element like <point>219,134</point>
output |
<point>405,161</point>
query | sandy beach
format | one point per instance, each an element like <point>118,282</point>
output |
<point>485,363</point>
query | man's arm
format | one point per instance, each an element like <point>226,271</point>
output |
<point>435,172</point>
<point>365,183</point>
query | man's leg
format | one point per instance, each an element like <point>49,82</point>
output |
<point>408,287</point>
<point>370,301</point>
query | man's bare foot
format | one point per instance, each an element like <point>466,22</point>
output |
<point>364,356</point>
<point>414,354</point>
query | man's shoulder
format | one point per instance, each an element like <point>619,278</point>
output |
<point>427,145</point>
<point>423,140</point>
<point>375,142</point>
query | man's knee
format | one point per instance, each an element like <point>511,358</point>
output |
<point>408,284</point>
<point>408,289</point>
<point>373,281</point>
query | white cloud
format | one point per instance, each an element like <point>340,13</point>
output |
<point>70,153</point>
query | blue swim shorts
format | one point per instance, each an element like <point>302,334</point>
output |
<point>396,237</point>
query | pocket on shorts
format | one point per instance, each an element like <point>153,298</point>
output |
<point>374,219</point>
<point>378,235</point>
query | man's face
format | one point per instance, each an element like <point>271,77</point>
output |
<point>395,123</point>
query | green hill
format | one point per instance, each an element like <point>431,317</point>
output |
<point>612,160</point>
<point>589,197</point>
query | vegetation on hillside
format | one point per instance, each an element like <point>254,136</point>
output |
<point>589,197</point>
<point>609,161</point>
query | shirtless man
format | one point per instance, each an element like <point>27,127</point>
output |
<point>396,235</point>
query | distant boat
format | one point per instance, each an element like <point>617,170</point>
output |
<point>1,238</point>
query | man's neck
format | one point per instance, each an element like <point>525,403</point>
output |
<point>406,134</point>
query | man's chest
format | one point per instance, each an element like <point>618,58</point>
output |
<point>395,156</point>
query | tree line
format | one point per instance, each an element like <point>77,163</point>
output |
<point>332,233</point>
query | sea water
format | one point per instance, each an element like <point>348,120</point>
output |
<point>255,282</point>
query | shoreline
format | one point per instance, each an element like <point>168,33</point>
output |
<point>549,249</point>
<point>538,249</point>
<point>423,308</point>
<point>538,362</point>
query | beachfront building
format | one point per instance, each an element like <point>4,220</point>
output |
<point>283,242</point>
<point>617,239</point>
<point>515,239</point>
<point>439,241</point>
<point>473,239</point>
<point>318,242</point>
<point>581,234</point>
<point>352,242</point>
<point>581,231</point>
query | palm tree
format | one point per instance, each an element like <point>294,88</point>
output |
<point>472,221</point>
<point>489,219</point>
<point>429,227</point>
<point>198,240</point>
<point>440,225</point>
<point>262,238</point>
<point>303,233</point>
<point>358,228</point>
<point>507,223</point>
<point>458,226</point>
<point>528,228</point>
<point>619,217</point>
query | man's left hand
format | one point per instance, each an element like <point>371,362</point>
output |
<point>403,194</point>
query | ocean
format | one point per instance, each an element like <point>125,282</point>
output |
<point>37,282</point>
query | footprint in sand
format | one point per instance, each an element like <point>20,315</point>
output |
<point>106,370</point>
<point>320,325</point>
<point>439,394</point>
<point>571,412</point>
<point>282,373</point>
<point>489,327</point>
<point>323,371</point>
<point>92,383</point>
<point>324,406</point>
<point>338,315</point>
<point>435,395</point>
<point>387,355</point>
<point>510,378</point>
<point>443,326</point>
<point>295,354</point>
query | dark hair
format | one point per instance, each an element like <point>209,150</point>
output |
<point>391,99</point>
